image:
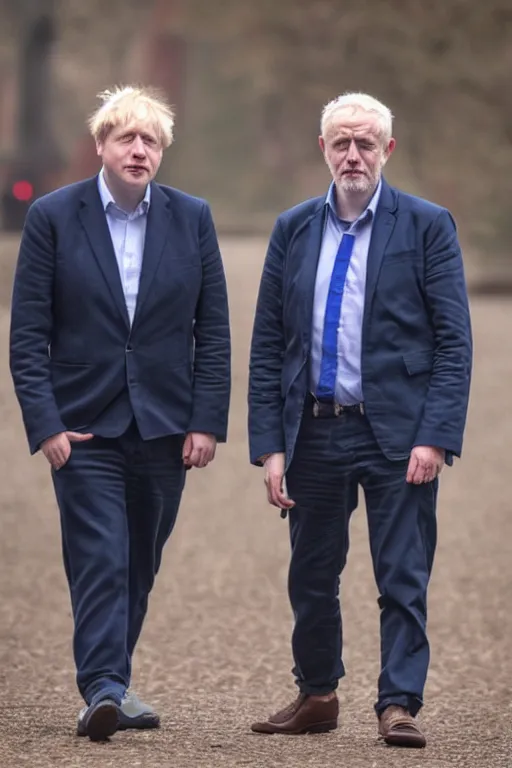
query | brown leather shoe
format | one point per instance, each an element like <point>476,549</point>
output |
<point>307,714</point>
<point>398,728</point>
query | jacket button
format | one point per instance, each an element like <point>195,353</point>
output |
<point>129,348</point>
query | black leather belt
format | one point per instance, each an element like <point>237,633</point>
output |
<point>329,409</point>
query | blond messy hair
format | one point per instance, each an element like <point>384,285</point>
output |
<point>132,104</point>
<point>358,101</point>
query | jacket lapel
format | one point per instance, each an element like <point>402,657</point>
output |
<point>159,220</point>
<point>385,220</point>
<point>94,221</point>
<point>314,227</point>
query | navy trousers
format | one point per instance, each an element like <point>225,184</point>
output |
<point>118,501</point>
<point>333,457</point>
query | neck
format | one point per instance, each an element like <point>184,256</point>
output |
<point>126,199</point>
<point>350,205</point>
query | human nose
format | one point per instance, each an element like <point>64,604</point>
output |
<point>353,153</point>
<point>138,147</point>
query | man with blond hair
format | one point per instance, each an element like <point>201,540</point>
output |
<point>120,356</point>
<point>359,376</point>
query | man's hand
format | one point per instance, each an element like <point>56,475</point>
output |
<point>274,474</point>
<point>57,448</point>
<point>425,464</point>
<point>198,449</point>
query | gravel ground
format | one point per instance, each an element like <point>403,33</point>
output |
<point>215,654</point>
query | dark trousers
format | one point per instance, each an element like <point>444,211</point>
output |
<point>118,501</point>
<point>333,457</point>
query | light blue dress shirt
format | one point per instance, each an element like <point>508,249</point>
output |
<point>128,233</point>
<point>348,378</point>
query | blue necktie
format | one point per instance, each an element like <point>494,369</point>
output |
<point>327,381</point>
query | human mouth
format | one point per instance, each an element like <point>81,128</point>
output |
<point>137,170</point>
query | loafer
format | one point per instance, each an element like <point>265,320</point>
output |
<point>398,728</point>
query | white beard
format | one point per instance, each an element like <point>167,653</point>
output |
<point>360,185</point>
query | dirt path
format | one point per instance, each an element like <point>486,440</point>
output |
<point>215,652</point>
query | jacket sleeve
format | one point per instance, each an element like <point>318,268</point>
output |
<point>31,328</point>
<point>446,406</point>
<point>212,340</point>
<point>265,415</point>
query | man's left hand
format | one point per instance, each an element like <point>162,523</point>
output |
<point>425,464</point>
<point>198,449</point>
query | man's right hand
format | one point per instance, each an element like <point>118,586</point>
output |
<point>57,448</point>
<point>274,475</point>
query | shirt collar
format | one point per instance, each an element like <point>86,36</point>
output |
<point>107,199</point>
<point>330,200</point>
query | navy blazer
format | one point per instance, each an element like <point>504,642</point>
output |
<point>72,350</point>
<point>416,337</point>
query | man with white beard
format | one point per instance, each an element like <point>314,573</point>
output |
<point>360,371</point>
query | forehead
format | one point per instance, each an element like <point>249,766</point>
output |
<point>353,122</point>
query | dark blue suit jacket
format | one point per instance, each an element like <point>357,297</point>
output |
<point>416,344</point>
<point>75,361</point>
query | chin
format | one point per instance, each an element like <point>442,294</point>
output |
<point>135,181</point>
<point>355,186</point>
<point>140,182</point>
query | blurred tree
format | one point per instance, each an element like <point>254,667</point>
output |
<point>443,67</point>
<point>35,154</point>
<point>258,75</point>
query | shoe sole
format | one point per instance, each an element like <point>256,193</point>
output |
<point>412,742</point>
<point>330,725</point>
<point>324,727</point>
<point>103,722</point>
<point>139,723</point>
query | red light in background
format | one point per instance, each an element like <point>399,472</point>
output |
<point>22,190</point>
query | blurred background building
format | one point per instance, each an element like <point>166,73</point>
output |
<point>249,79</point>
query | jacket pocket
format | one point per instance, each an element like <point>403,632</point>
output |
<point>67,364</point>
<point>288,381</point>
<point>419,362</point>
<point>400,256</point>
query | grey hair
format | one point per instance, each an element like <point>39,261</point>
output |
<point>358,101</point>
